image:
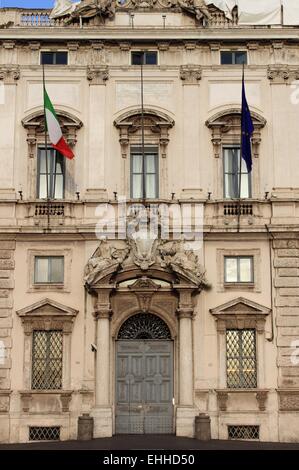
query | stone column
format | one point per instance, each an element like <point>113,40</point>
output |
<point>191,76</point>
<point>102,413</point>
<point>9,76</point>
<point>185,412</point>
<point>97,76</point>
<point>185,358</point>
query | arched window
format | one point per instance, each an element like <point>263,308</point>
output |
<point>226,135</point>
<point>59,186</point>
<point>156,127</point>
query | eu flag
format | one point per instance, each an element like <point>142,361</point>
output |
<point>246,129</point>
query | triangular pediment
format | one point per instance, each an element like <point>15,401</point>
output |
<point>240,306</point>
<point>47,307</point>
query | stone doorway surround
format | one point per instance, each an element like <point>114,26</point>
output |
<point>143,275</point>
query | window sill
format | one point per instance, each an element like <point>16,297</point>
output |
<point>239,285</point>
<point>48,288</point>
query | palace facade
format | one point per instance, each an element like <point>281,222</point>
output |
<point>143,335</point>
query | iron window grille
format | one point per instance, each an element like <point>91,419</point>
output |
<point>54,57</point>
<point>241,364</point>
<point>238,269</point>
<point>233,57</point>
<point>244,432</point>
<point>47,360</point>
<point>44,433</point>
<point>48,270</point>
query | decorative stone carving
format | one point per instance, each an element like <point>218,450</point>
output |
<point>34,124</point>
<point>288,400</point>
<point>105,256</point>
<point>225,126</point>
<point>98,11</point>
<point>190,74</point>
<point>222,398</point>
<point>9,74</point>
<point>65,399</point>
<point>281,74</point>
<point>261,397</point>
<point>97,74</point>
<point>26,400</point>
<point>156,125</point>
<point>144,252</point>
<point>47,315</point>
<point>144,289</point>
<point>4,401</point>
<point>240,313</point>
<point>87,9</point>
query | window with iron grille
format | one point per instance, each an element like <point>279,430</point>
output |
<point>241,359</point>
<point>47,360</point>
<point>44,433</point>
<point>243,432</point>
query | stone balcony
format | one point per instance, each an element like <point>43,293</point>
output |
<point>170,215</point>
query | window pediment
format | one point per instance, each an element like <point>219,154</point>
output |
<point>35,127</point>
<point>240,313</point>
<point>47,315</point>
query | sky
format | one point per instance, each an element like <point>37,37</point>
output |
<point>27,3</point>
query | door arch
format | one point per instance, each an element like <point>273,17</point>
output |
<point>144,376</point>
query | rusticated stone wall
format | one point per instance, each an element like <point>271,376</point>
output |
<point>6,303</point>
<point>286,282</point>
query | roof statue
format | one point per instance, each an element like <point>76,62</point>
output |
<point>106,8</point>
<point>83,9</point>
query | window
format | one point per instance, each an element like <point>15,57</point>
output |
<point>47,360</point>
<point>231,164</point>
<point>233,57</point>
<point>44,433</point>
<point>238,269</point>
<point>149,57</point>
<point>55,172</point>
<point>241,359</point>
<point>54,58</point>
<point>151,173</point>
<point>49,270</point>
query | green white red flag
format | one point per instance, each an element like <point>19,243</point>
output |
<point>56,138</point>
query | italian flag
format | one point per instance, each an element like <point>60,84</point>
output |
<point>54,130</point>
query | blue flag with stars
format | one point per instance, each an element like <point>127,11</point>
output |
<point>246,129</point>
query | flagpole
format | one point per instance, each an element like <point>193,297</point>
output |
<point>46,150</point>
<point>142,129</point>
<point>240,160</point>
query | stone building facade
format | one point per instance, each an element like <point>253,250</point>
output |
<point>145,335</point>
